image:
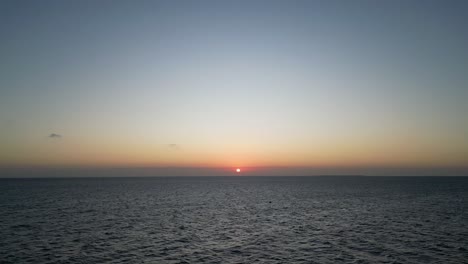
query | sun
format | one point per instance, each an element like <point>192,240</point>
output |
<point>237,170</point>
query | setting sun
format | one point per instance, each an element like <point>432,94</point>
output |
<point>237,170</point>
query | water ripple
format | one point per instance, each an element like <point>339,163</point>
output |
<point>234,220</point>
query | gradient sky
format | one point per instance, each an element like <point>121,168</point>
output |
<point>273,87</point>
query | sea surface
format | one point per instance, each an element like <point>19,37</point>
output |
<point>234,220</point>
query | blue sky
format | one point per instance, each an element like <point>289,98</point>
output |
<point>290,84</point>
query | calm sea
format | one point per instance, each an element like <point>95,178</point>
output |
<point>234,220</point>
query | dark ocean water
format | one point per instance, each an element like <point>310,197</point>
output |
<point>234,220</point>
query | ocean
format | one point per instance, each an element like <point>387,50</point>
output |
<point>330,219</point>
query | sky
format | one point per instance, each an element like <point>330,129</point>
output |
<point>205,87</point>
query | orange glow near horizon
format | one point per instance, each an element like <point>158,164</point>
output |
<point>65,154</point>
<point>118,151</point>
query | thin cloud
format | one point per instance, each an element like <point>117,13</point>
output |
<point>55,136</point>
<point>173,147</point>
